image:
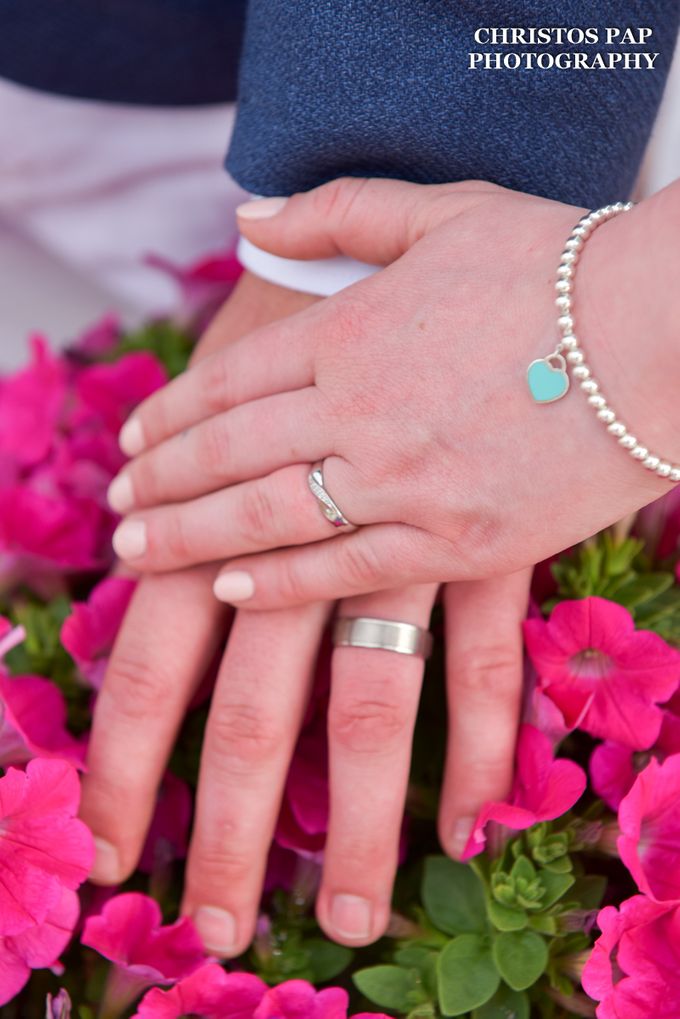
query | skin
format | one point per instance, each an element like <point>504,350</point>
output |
<point>462,484</point>
<point>171,633</point>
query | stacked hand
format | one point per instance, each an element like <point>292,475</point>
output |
<point>409,386</point>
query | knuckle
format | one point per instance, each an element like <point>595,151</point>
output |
<point>259,515</point>
<point>140,688</point>
<point>358,566</point>
<point>214,384</point>
<point>213,448</point>
<point>175,541</point>
<point>374,726</point>
<point>359,855</point>
<point>242,737</point>
<point>490,672</point>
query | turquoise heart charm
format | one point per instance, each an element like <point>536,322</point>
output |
<point>548,383</point>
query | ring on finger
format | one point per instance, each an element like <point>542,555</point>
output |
<point>328,506</point>
<point>382,634</point>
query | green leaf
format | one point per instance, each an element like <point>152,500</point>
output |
<point>521,958</point>
<point>543,923</point>
<point>589,891</point>
<point>467,974</point>
<point>641,589</point>
<point>505,918</point>
<point>388,986</point>
<point>453,896</point>
<point>326,958</point>
<point>505,1004</point>
<point>555,886</point>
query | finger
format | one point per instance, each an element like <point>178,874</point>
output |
<point>168,638</point>
<point>255,717</point>
<point>271,512</point>
<point>275,358</point>
<point>484,665</point>
<point>371,219</point>
<point>249,441</point>
<point>373,707</point>
<point>374,558</point>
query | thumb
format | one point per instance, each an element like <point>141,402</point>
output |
<point>371,219</point>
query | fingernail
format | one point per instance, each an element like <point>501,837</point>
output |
<point>235,586</point>
<point>260,208</point>
<point>129,539</point>
<point>351,916</point>
<point>131,437</point>
<point>460,835</point>
<point>217,929</point>
<point>106,866</point>
<point>120,494</point>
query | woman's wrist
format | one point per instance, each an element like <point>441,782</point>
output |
<point>627,303</point>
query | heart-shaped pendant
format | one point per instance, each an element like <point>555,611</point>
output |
<point>546,382</point>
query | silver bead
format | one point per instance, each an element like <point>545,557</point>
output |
<point>627,207</point>
<point>628,441</point>
<point>563,303</point>
<point>606,415</point>
<point>651,463</point>
<point>569,342</point>
<point>589,387</point>
<point>576,357</point>
<point>565,271</point>
<point>675,474</point>
<point>568,257</point>
<point>581,372</point>
<point>597,401</point>
<point>574,243</point>
<point>580,230</point>
<point>617,428</point>
<point>565,322</point>
<point>664,469</point>
<point>640,452</point>
<point>563,286</point>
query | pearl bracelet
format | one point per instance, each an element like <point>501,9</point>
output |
<point>547,376</point>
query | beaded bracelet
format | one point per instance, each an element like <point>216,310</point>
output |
<point>547,376</point>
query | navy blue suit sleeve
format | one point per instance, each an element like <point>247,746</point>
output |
<point>370,87</point>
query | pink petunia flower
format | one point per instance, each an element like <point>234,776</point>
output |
<point>44,847</point>
<point>303,819</point>
<point>209,993</point>
<point>37,947</point>
<point>33,723</point>
<point>89,632</point>
<point>213,994</point>
<point>129,933</point>
<point>204,286</point>
<point>649,819</point>
<point>634,968</point>
<point>543,789</point>
<point>59,1006</point>
<point>614,767</point>
<point>31,404</point>
<point>109,391</point>
<point>606,677</point>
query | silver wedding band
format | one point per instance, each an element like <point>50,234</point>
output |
<point>327,505</point>
<point>383,634</point>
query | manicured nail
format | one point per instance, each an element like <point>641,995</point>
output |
<point>106,866</point>
<point>260,208</point>
<point>129,539</point>
<point>217,929</point>
<point>235,586</point>
<point>351,916</point>
<point>460,836</point>
<point>131,437</point>
<point>120,495</point>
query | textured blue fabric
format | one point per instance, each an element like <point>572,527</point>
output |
<point>382,88</point>
<point>165,52</point>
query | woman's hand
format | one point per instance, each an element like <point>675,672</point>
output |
<point>172,631</point>
<point>411,386</point>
